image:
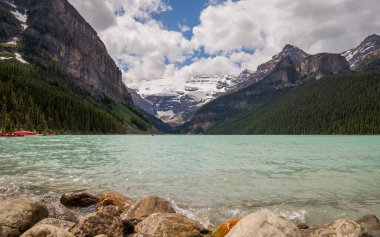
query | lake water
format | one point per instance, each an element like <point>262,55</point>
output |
<point>312,179</point>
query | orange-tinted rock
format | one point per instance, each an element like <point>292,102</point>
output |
<point>115,199</point>
<point>223,229</point>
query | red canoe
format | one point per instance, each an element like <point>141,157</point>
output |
<point>4,134</point>
<point>23,133</point>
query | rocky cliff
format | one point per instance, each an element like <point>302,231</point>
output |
<point>56,28</point>
<point>319,65</point>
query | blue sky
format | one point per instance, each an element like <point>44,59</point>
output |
<point>184,12</point>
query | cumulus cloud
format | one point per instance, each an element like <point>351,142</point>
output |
<point>233,34</point>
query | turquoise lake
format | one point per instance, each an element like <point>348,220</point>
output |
<point>312,179</point>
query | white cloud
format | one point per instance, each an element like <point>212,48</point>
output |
<point>183,28</point>
<point>236,34</point>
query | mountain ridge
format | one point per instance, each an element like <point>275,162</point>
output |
<point>283,73</point>
<point>69,62</point>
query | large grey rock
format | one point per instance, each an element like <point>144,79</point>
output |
<point>102,222</point>
<point>262,224</point>
<point>46,231</point>
<point>80,199</point>
<point>146,206</point>
<point>18,215</point>
<point>338,228</point>
<point>168,225</point>
<point>58,210</point>
<point>372,225</point>
<point>62,224</point>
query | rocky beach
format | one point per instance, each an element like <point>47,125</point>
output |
<point>112,214</point>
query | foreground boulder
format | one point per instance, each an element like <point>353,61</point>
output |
<point>18,215</point>
<point>58,210</point>
<point>146,206</point>
<point>344,227</point>
<point>62,224</point>
<point>46,231</point>
<point>168,225</point>
<point>102,222</point>
<point>113,198</point>
<point>371,223</point>
<point>223,229</point>
<point>262,224</point>
<point>80,199</point>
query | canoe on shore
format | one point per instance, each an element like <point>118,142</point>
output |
<point>24,133</point>
<point>18,134</point>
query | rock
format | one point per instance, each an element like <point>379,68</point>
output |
<point>302,226</point>
<point>319,65</point>
<point>62,224</point>
<point>223,229</point>
<point>371,224</point>
<point>46,231</point>
<point>115,199</point>
<point>343,227</point>
<point>101,222</point>
<point>58,210</point>
<point>168,225</point>
<point>264,224</point>
<point>146,206</point>
<point>80,199</point>
<point>18,215</point>
<point>129,226</point>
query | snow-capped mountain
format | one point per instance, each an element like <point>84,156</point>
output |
<point>175,101</point>
<point>368,47</point>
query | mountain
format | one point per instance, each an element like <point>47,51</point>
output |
<point>176,101</point>
<point>370,46</point>
<point>177,105</point>
<point>336,104</point>
<point>294,53</point>
<point>75,46</point>
<point>283,74</point>
<point>53,60</point>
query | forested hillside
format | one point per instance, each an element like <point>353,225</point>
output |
<point>41,99</point>
<point>337,104</point>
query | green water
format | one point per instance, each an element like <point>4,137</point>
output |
<point>312,179</point>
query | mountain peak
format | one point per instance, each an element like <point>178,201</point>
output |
<point>372,38</point>
<point>369,46</point>
<point>295,53</point>
<point>290,47</point>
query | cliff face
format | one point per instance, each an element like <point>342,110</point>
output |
<point>319,65</point>
<point>56,27</point>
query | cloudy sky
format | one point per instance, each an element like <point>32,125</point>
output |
<point>152,39</point>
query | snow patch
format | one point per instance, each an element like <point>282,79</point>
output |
<point>20,59</point>
<point>21,17</point>
<point>4,58</point>
<point>11,4</point>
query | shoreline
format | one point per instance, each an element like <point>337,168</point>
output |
<point>117,215</point>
